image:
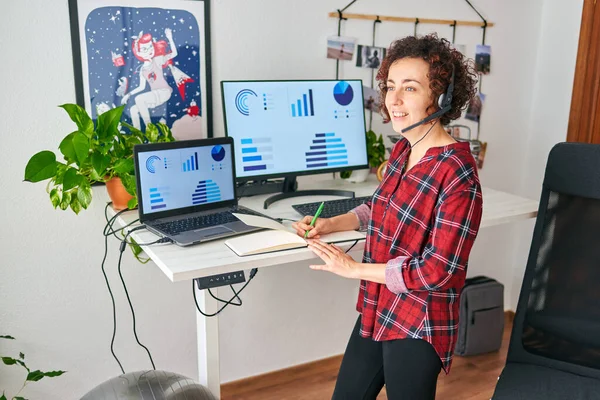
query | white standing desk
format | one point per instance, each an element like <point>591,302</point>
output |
<point>212,258</point>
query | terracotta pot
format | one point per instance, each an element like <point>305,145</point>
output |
<point>117,193</point>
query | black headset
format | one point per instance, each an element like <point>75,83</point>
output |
<point>444,103</point>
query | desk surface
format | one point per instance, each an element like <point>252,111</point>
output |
<point>183,263</point>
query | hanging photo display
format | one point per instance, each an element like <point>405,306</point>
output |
<point>340,47</point>
<point>371,99</point>
<point>482,58</point>
<point>369,56</point>
<point>475,106</point>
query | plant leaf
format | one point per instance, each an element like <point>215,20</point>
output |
<point>167,135</point>
<point>129,183</point>
<point>36,375</point>
<point>133,130</point>
<point>81,144</point>
<point>6,337</point>
<point>75,204</point>
<point>84,194</point>
<point>9,360</point>
<point>133,203</point>
<point>71,179</point>
<point>108,123</point>
<point>21,356</point>
<point>67,149</point>
<point>18,398</point>
<point>100,162</point>
<point>152,133</point>
<point>55,197</point>
<point>65,201</point>
<point>95,176</point>
<point>3,397</point>
<point>41,166</point>
<point>81,118</point>
<point>124,166</point>
<point>135,248</point>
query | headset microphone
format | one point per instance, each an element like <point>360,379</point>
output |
<point>444,102</point>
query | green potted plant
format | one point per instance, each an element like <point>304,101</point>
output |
<point>92,154</point>
<point>375,156</point>
<point>32,376</point>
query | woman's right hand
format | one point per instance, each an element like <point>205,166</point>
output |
<point>322,227</point>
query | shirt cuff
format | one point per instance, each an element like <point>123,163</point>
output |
<point>363,213</point>
<point>393,276</point>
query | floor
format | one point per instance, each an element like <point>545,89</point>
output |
<point>471,378</point>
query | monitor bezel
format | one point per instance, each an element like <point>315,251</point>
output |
<point>304,172</point>
<point>182,144</point>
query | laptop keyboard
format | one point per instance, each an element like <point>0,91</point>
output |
<point>331,208</point>
<point>203,221</point>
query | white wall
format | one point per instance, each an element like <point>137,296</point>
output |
<point>52,293</point>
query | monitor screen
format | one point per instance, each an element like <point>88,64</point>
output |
<point>179,176</point>
<point>288,128</point>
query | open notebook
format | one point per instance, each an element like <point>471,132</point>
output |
<point>277,237</point>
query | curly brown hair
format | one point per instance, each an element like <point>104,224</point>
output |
<point>441,56</point>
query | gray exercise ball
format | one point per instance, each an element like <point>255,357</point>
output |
<point>149,385</point>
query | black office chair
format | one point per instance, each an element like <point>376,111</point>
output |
<point>554,350</point>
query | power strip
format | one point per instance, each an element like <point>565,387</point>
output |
<point>228,278</point>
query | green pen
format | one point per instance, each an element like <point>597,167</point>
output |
<point>312,223</point>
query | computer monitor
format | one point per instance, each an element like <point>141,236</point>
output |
<point>283,129</point>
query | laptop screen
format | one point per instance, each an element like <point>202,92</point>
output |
<point>184,177</point>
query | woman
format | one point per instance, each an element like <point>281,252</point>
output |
<point>421,224</point>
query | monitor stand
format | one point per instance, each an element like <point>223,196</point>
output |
<point>289,189</point>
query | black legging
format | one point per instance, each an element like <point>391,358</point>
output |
<point>408,367</point>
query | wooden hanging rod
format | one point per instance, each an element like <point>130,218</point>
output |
<point>411,20</point>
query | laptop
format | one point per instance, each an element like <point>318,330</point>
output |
<point>186,190</point>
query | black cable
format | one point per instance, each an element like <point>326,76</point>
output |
<point>340,19</point>
<point>252,274</point>
<point>227,301</point>
<point>426,133</point>
<point>112,298</point>
<point>453,31</point>
<point>164,239</point>
<point>354,244</point>
<point>121,250</point>
<point>484,27</point>
<point>474,9</point>
<point>112,220</point>
<point>377,21</point>
<point>107,231</point>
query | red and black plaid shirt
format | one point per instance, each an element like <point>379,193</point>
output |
<point>422,223</point>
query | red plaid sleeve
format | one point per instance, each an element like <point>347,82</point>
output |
<point>443,263</point>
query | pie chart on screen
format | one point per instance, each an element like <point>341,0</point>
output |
<point>343,93</point>
<point>218,153</point>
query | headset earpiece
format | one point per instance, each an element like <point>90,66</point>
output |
<point>441,100</point>
<point>445,99</point>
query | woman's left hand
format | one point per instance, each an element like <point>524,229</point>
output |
<point>336,260</point>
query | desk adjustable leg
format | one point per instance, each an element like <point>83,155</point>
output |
<point>208,343</point>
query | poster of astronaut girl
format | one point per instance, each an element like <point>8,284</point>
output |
<point>149,55</point>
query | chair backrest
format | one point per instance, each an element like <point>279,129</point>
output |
<point>557,322</point>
